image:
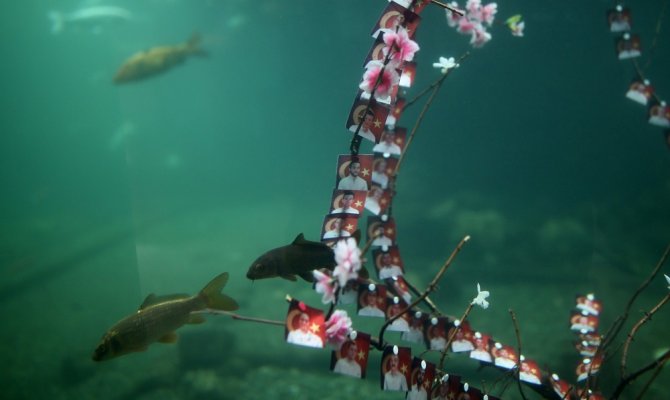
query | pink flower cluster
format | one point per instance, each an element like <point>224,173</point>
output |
<point>338,327</point>
<point>399,48</point>
<point>477,17</point>
<point>348,260</point>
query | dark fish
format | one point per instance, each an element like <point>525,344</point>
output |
<point>159,317</point>
<point>298,258</point>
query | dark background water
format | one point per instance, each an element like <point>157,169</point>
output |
<point>530,147</point>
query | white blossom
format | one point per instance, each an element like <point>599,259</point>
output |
<point>445,64</point>
<point>480,300</point>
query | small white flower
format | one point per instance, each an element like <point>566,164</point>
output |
<point>480,300</point>
<point>445,64</point>
<point>667,278</point>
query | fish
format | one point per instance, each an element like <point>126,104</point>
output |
<point>159,317</point>
<point>88,15</point>
<point>156,60</point>
<point>299,258</point>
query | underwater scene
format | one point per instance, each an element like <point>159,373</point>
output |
<point>361,199</point>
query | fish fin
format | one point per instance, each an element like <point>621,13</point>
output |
<point>213,297</point>
<point>308,276</point>
<point>193,45</point>
<point>287,276</point>
<point>152,299</point>
<point>169,337</point>
<point>196,319</point>
<point>357,236</point>
<point>301,241</point>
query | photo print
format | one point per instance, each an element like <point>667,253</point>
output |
<point>436,333</point>
<point>640,91</point>
<point>421,379</point>
<point>392,142</point>
<point>619,19</point>
<point>659,115</point>
<point>398,286</point>
<point>530,372</point>
<point>395,368</point>
<point>393,16</point>
<point>463,337</point>
<point>388,263</point>
<point>382,231</point>
<point>350,202</point>
<point>482,350</point>
<point>407,75</point>
<point>396,306</point>
<point>589,304</point>
<point>372,300</point>
<point>504,356</point>
<point>354,172</point>
<point>382,170</point>
<point>352,357</point>
<point>628,46</point>
<point>417,325</point>
<point>582,321</point>
<point>367,118</point>
<point>304,325</point>
<point>338,226</point>
<point>378,200</point>
<point>447,388</point>
<point>396,112</point>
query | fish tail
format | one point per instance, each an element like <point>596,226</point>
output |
<point>193,45</point>
<point>214,298</point>
<point>57,21</point>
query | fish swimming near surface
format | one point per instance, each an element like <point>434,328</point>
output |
<point>300,258</point>
<point>156,60</point>
<point>92,16</point>
<point>159,317</point>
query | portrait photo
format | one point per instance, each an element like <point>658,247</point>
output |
<point>436,333</point>
<point>388,263</point>
<point>367,117</point>
<point>354,172</point>
<point>352,357</point>
<point>305,325</point>
<point>338,226</point>
<point>421,379</point>
<point>398,286</point>
<point>619,19</point>
<point>372,300</point>
<point>377,200</point>
<point>351,202</point>
<point>628,46</point>
<point>417,326</point>
<point>382,232</point>
<point>382,170</point>
<point>463,337</point>
<point>395,368</point>
<point>504,356</point>
<point>393,16</point>
<point>482,350</point>
<point>396,306</point>
<point>391,142</point>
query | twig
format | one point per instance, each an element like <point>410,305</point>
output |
<point>647,316</point>
<point>659,366</point>
<point>431,286</point>
<point>448,7</point>
<point>454,332</point>
<point>250,319</point>
<point>657,363</point>
<point>518,341</point>
<point>427,300</point>
<point>436,88</point>
<point>609,336</point>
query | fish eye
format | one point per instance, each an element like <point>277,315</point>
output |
<point>258,266</point>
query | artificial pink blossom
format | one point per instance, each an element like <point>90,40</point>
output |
<point>348,260</point>
<point>401,46</point>
<point>324,285</point>
<point>466,26</point>
<point>479,37</point>
<point>453,18</point>
<point>488,13</point>
<point>338,327</point>
<point>389,78</point>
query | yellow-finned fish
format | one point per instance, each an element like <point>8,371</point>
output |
<point>152,62</point>
<point>159,317</point>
